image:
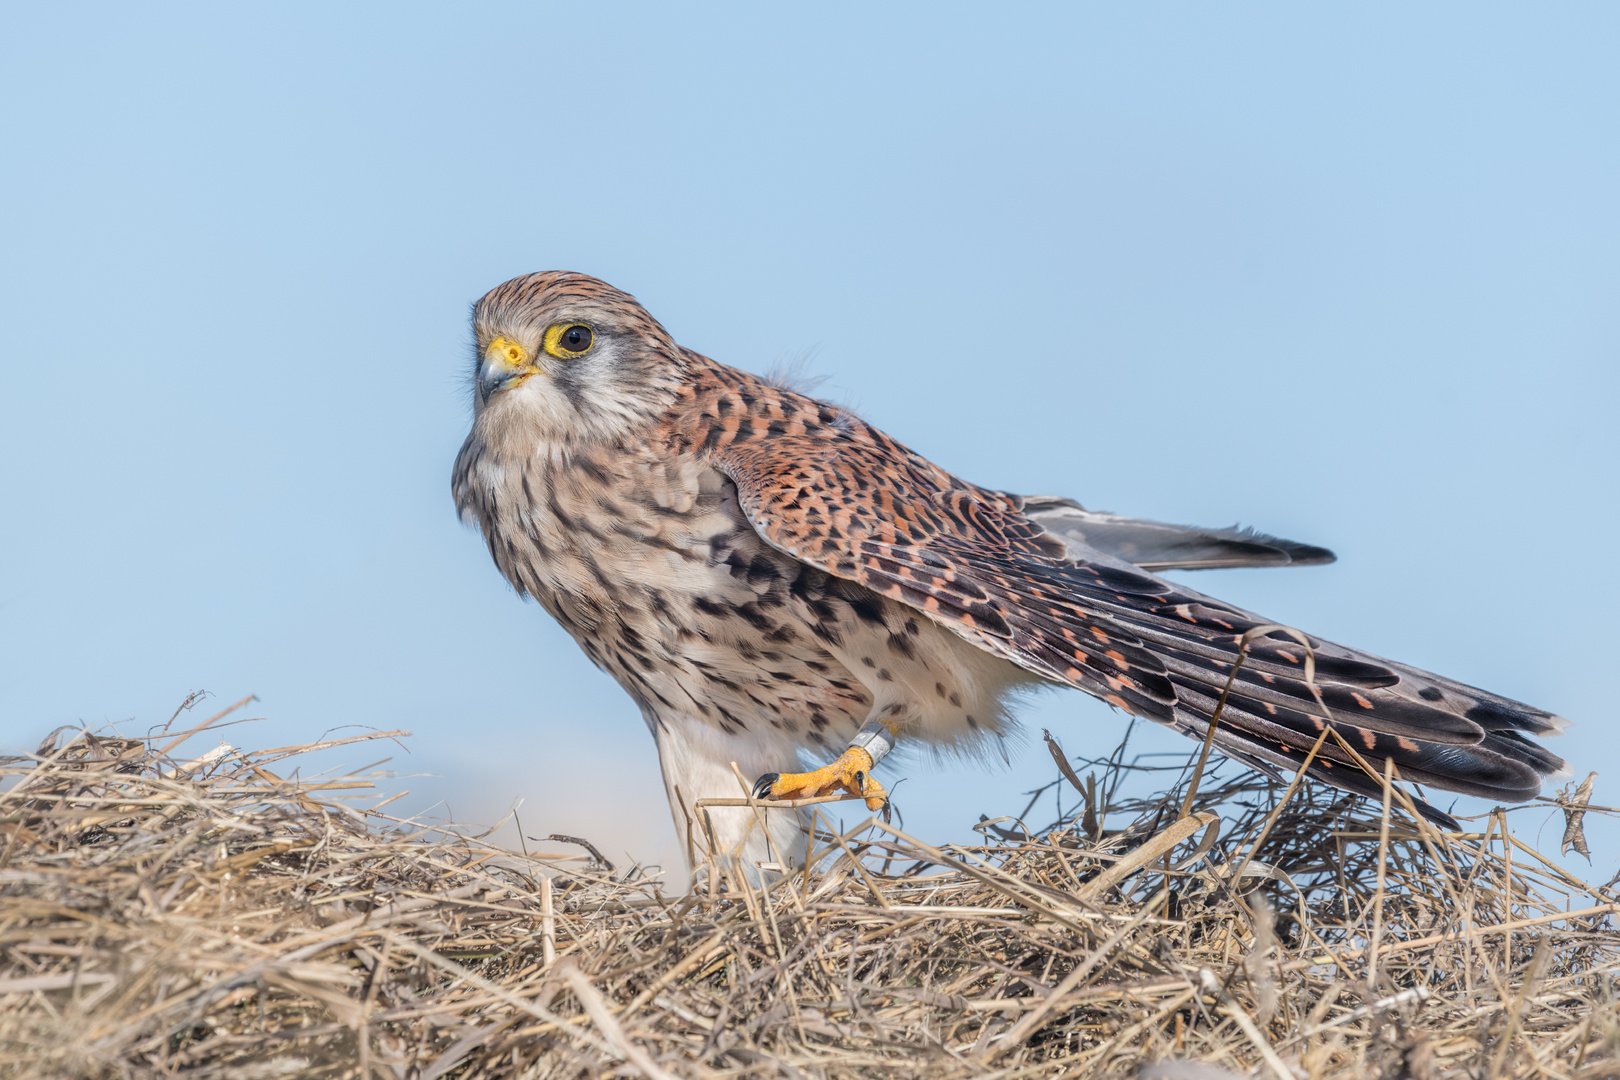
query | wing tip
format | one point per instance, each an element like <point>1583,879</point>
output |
<point>1294,553</point>
<point>1308,554</point>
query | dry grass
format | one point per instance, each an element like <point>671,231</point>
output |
<point>214,918</point>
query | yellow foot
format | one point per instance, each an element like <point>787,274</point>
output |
<point>852,772</point>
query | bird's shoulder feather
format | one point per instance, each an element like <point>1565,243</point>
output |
<point>835,492</point>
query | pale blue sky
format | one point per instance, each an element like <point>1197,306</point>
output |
<point>1346,275</point>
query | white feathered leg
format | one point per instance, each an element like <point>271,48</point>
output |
<point>696,760</point>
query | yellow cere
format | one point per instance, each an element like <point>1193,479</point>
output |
<point>512,352</point>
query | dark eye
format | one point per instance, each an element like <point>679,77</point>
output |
<point>568,340</point>
<point>576,338</point>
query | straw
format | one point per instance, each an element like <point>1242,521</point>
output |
<point>210,918</point>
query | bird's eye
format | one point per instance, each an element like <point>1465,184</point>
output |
<point>569,339</point>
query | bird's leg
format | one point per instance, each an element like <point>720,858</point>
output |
<point>852,772</point>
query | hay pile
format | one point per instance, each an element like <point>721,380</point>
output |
<point>214,918</point>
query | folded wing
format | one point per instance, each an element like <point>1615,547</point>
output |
<point>1025,582</point>
<point>1156,546</point>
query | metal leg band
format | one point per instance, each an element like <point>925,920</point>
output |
<point>876,739</point>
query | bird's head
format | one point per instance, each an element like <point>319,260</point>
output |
<point>563,359</point>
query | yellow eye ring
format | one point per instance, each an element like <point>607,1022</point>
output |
<point>568,340</point>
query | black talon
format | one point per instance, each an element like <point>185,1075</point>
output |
<point>888,804</point>
<point>762,786</point>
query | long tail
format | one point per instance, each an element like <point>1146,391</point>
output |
<point>1437,731</point>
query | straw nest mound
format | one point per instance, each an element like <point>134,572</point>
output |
<point>215,918</point>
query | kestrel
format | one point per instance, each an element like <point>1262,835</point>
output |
<point>768,576</point>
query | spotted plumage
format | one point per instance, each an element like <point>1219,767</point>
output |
<point>765,572</point>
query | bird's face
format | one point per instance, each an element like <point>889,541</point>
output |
<point>563,359</point>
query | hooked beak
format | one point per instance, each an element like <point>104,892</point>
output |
<point>505,364</point>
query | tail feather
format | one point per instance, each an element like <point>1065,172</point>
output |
<point>1166,652</point>
<point>1438,731</point>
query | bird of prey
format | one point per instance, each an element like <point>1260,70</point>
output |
<point>770,576</point>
